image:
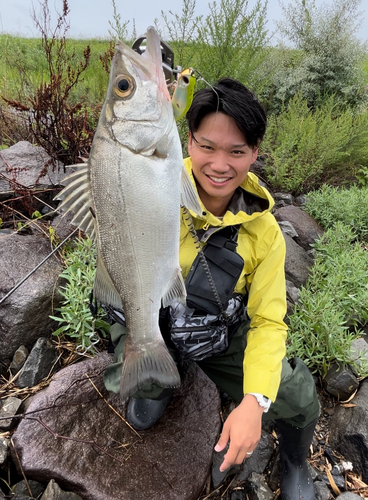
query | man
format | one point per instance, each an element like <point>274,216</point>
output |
<point>244,354</point>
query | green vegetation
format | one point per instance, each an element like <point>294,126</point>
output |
<point>75,318</point>
<point>333,304</point>
<point>306,148</point>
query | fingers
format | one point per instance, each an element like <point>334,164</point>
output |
<point>224,438</point>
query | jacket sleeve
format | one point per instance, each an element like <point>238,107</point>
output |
<point>266,340</point>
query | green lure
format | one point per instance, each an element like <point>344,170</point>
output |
<point>183,94</point>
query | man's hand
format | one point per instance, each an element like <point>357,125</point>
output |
<point>243,428</point>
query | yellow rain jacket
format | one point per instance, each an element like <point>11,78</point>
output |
<point>262,246</point>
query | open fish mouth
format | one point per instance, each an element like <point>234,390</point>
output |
<point>147,66</point>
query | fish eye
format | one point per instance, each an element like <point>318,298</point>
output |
<point>124,86</point>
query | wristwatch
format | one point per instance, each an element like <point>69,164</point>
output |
<point>262,401</point>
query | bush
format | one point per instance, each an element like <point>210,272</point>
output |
<point>75,315</point>
<point>306,148</point>
<point>333,303</point>
<point>330,60</point>
<point>330,205</point>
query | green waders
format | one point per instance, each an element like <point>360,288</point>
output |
<point>296,402</point>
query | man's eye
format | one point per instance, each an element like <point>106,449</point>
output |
<point>238,152</point>
<point>204,146</point>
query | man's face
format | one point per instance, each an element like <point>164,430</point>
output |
<point>221,159</point>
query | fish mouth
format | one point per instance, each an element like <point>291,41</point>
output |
<point>148,65</point>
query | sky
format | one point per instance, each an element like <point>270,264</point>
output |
<point>90,18</point>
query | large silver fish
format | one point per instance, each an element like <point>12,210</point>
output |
<point>127,197</point>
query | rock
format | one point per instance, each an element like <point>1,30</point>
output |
<point>24,315</point>
<point>39,363</point>
<point>287,228</point>
<point>238,495</point>
<point>4,447</point>
<point>21,489</point>
<point>340,381</point>
<point>54,492</point>
<point>285,197</point>
<point>322,491</point>
<point>350,431</point>
<point>307,228</point>
<point>170,460</point>
<point>62,225</point>
<point>300,200</point>
<point>297,263</point>
<point>258,461</point>
<point>359,351</point>
<point>257,488</point>
<point>29,166</point>
<point>292,292</point>
<point>216,475</point>
<point>19,359</point>
<point>347,495</point>
<point>8,410</point>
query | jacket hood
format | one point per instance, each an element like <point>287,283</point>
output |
<point>249,202</point>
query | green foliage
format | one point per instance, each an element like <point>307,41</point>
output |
<point>330,57</point>
<point>75,317</point>
<point>330,205</point>
<point>333,302</point>
<point>231,40</point>
<point>307,148</point>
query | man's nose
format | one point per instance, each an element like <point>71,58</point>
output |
<point>220,162</point>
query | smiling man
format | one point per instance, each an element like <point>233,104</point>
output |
<point>233,322</point>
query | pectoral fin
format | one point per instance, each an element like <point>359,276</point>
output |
<point>189,197</point>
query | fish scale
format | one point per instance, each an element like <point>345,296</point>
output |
<point>128,199</point>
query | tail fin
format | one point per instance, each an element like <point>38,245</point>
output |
<point>149,364</point>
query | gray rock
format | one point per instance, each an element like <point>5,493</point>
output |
<point>170,460</point>
<point>306,227</point>
<point>348,495</point>
<point>19,359</point>
<point>359,351</point>
<point>4,448</point>
<point>340,382</point>
<point>285,197</point>
<point>62,225</point>
<point>297,263</point>
<point>2,496</point>
<point>287,228</point>
<point>300,200</point>
<point>350,431</point>
<point>24,315</point>
<point>258,461</point>
<point>292,292</point>
<point>217,476</point>
<point>39,363</point>
<point>21,488</point>
<point>29,166</point>
<point>8,410</point>
<point>238,494</point>
<point>54,492</point>
<point>322,491</point>
<point>257,488</point>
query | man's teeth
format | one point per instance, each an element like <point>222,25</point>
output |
<point>219,180</point>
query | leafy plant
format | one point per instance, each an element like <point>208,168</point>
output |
<point>334,302</point>
<point>75,315</point>
<point>330,56</point>
<point>307,148</point>
<point>330,205</point>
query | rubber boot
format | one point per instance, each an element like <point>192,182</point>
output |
<point>144,413</point>
<point>295,480</point>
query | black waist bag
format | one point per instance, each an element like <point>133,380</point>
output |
<point>225,266</point>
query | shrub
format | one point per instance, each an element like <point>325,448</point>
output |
<point>334,301</point>
<point>306,148</point>
<point>331,205</point>
<point>330,60</point>
<point>75,318</point>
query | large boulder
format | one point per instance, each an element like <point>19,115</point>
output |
<point>24,315</point>
<point>27,165</point>
<point>307,228</point>
<point>88,448</point>
<point>349,431</point>
<point>297,263</point>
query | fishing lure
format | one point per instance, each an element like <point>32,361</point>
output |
<point>183,94</point>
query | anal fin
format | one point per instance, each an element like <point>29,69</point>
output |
<point>176,291</point>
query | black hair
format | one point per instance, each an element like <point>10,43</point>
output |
<point>232,98</point>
